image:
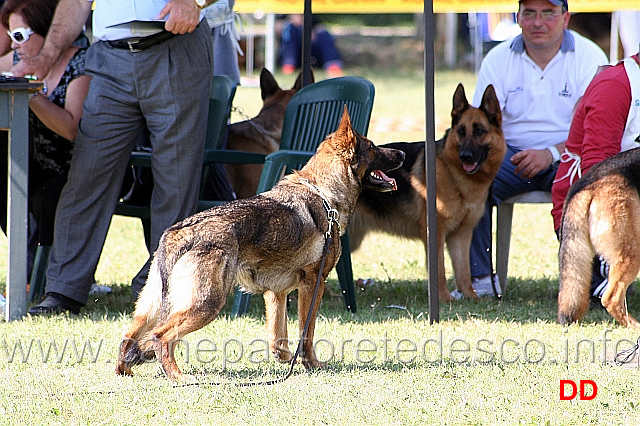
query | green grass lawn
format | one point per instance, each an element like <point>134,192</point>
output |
<point>486,362</point>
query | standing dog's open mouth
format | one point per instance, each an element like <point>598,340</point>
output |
<point>381,181</point>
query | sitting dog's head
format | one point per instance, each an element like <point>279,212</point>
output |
<point>476,130</point>
<point>275,97</point>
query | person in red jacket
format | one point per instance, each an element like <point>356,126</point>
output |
<point>606,122</point>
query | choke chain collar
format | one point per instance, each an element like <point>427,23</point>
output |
<point>332,214</point>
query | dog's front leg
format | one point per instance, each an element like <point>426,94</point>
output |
<point>276,307</point>
<point>305,294</point>
<point>459,244</point>
<point>444,295</point>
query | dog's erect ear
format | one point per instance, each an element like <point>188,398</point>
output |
<point>491,106</point>
<point>344,127</point>
<point>460,104</point>
<point>345,135</point>
<point>298,84</point>
<point>268,84</point>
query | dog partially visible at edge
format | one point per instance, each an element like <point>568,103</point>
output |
<point>468,158</point>
<point>601,215</point>
<point>260,134</point>
<point>271,243</point>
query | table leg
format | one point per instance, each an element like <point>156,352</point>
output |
<point>17,215</point>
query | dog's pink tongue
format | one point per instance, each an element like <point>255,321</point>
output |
<point>469,167</point>
<point>388,179</point>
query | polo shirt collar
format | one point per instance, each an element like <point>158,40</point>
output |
<point>568,43</point>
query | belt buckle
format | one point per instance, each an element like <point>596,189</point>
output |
<point>132,45</point>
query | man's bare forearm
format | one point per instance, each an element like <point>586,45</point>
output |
<point>67,23</point>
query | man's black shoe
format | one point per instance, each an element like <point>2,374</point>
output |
<point>56,303</point>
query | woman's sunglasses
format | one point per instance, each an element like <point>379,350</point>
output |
<point>20,35</point>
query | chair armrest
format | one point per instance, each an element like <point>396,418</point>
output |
<point>227,156</point>
<point>289,156</point>
<point>275,164</point>
<point>210,156</point>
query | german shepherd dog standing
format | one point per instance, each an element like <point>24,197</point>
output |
<point>271,243</point>
<point>601,215</point>
<point>260,134</point>
<point>468,158</point>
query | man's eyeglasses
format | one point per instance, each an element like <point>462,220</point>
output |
<point>20,35</point>
<point>545,15</point>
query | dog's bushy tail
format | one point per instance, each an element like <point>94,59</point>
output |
<point>146,316</point>
<point>575,258</point>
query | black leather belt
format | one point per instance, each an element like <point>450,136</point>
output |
<point>137,44</point>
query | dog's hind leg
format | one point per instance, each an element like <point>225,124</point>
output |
<point>133,349</point>
<point>615,236</point>
<point>614,298</point>
<point>276,308</point>
<point>198,287</point>
<point>169,335</point>
<point>575,258</point>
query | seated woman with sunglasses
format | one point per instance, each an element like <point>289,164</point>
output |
<point>53,117</point>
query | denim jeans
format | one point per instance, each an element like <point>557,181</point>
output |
<point>505,185</point>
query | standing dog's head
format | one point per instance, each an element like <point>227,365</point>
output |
<point>476,131</point>
<point>366,161</point>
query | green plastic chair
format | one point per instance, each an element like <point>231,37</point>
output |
<point>313,113</point>
<point>220,102</point>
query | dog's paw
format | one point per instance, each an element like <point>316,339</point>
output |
<point>470,294</point>
<point>445,297</point>
<point>282,355</point>
<point>187,379</point>
<point>313,364</point>
<point>123,369</point>
<point>465,294</point>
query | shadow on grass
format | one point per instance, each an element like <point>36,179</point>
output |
<point>272,374</point>
<point>258,375</point>
<point>525,301</point>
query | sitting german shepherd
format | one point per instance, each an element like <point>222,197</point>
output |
<point>260,134</point>
<point>271,243</point>
<point>601,215</point>
<point>468,158</point>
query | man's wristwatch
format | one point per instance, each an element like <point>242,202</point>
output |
<point>201,3</point>
<point>555,154</point>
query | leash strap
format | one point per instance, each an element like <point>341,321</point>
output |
<point>626,355</point>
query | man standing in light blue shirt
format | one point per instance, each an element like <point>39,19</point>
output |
<point>151,65</point>
<point>538,77</point>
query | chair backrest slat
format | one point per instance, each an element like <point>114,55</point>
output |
<point>315,111</point>
<point>220,100</point>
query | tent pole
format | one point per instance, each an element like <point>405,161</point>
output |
<point>430,155</point>
<point>306,44</point>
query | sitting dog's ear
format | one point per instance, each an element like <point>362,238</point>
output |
<point>298,84</point>
<point>460,105</point>
<point>268,84</point>
<point>491,106</point>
